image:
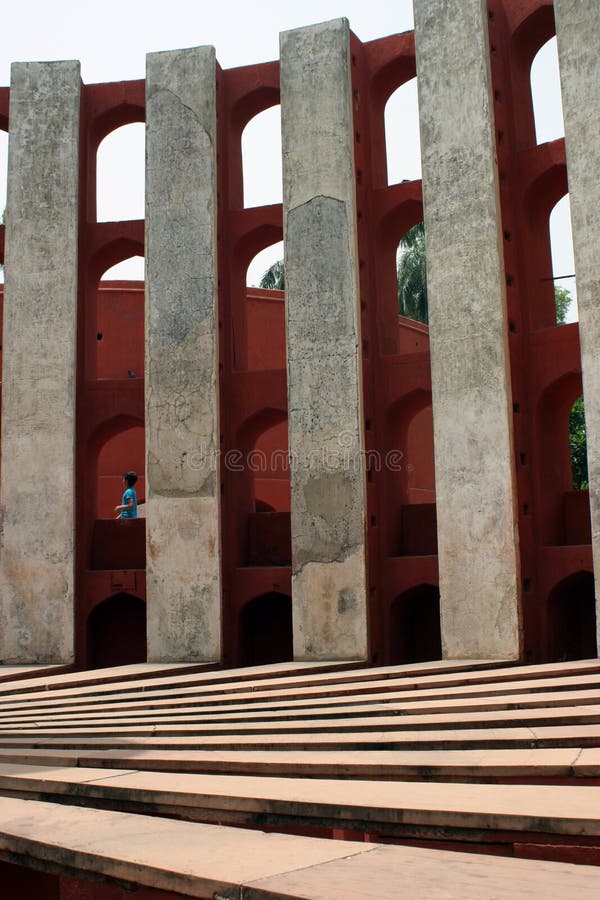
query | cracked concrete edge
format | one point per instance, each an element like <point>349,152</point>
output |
<point>329,587</point>
<point>182,405</point>
<point>480,582</point>
<point>38,459</point>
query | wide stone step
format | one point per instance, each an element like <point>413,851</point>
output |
<point>24,673</point>
<point>219,683</point>
<point>549,691</point>
<point>559,765</point>
<point>284,677</point>
<point>381,722</point>
<point>398,809</point>
<point>434,753</point>
<point>441,739</point>
<point>295,713</point>
<point>143,674</point>
<point>202,861</point>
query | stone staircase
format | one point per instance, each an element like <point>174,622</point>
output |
<point>425,767</point>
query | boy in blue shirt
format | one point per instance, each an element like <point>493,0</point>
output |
<point>129,506</point>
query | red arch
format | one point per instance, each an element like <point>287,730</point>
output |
<point>554,469</point>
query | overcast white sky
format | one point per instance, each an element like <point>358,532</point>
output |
<point>111,39</point>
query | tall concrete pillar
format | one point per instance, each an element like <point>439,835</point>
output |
<point>329,589</point>
<point>182,437</point>
<point>38,390</point>
<point>472,404</point>
<point>578,35</point>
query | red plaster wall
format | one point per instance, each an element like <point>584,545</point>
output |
<point>120,330</point>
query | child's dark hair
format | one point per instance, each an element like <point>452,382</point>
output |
<point>130,478</point>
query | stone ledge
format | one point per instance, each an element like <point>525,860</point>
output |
<point>559,764</point>
<point>213,861</point>
<point>389,807</point>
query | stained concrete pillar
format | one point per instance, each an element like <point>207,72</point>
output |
<point>38,389</point>
<point>578,36</point>
<point>329,590</point>
<point>472,403</point>
<point>183,514</point>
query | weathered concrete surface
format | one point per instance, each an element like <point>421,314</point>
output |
<point>38,391</point>
<point>182,517</point>
<point>199,860</point>
<point>329,592</point>
<point>476,501</point>
<point>578,35</point>
<point>528,809</point>
<point>191,859</point>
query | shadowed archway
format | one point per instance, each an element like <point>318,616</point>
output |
<point>117,632</point>
<point>414,630</point>
<point>266,630</point>
<point>572,619</point>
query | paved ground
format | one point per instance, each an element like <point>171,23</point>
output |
<point>435,758</point>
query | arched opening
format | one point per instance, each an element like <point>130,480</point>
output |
<point>399,334</point>
<point>410,477</point>
<point>578,444</point>
<point>263,491</point>
<point>123,452</point>
<point>577,521</point>
<point>572,619</point>
<point>131,269</point>
<point>563,262</point>
<point>411,273</point>
<point>564,508</point>
<point>420,464</point>
<point>261,159</point>
<point>266,269</point>
<point>111,552</point>
<point>265,309</point>
<point>547,232</point>
<point>118,328</point>
<point>116,447</point>
<point>120,174</point>
<point>546,94</point>
<point>402,135</point>
<point>414,626</point>
<point>117,632</point>
<point>269,464</point>
<point>266,630</point>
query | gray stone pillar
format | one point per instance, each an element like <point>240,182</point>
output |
<point>329,591</point>
<point>38,390</point>
<point>472,404</point>
<point>578,35</point>
<point>182,437</point>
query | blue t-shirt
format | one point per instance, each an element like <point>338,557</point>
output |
<point>128,495</point>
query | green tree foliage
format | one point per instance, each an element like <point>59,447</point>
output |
<point>412,275</point>
<point>577,431</point>
<point>563,299</point>
<point>274,277</point>
<point>578,442</point>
